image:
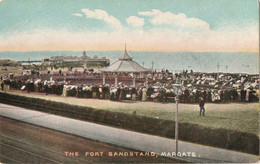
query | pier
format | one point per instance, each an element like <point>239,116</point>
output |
<point>29,61</point>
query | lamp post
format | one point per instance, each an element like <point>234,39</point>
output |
<point>134,76</point>
<point>177,89</point>
<point>116,75</point>
<point>176,123</point>
<point>226,68</point>
<point>103,78</point>
<point>218,69</point>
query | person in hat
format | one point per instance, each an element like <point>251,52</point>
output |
<point>2,85</point>
<point>202,108</point>
<point>133,92</point>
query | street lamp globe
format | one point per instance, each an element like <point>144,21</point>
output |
<point>177,89</point>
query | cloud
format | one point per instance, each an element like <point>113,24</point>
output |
<point>102,15</point>
<point>161,36</point>
<point>77,14</point>
<point>179,21</point>
<point>135,21</point>
<point>239,40</point>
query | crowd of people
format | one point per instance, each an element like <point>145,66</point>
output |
<point>212,87</point>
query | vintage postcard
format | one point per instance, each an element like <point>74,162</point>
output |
<point>129,81</point>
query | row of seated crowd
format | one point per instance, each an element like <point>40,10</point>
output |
<point>212,87</point>
<point>86,73</point>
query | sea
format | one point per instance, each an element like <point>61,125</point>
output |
<point>231,62</point>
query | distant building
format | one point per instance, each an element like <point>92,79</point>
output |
<point>84,54</point>
<point>84,60</point>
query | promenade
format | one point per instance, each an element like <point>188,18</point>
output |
<point>190,152</point>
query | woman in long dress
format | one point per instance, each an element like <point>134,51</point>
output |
<point>247,95</point>
<point>140,93</point>
<point>144,94</point>
<point>133,91</point>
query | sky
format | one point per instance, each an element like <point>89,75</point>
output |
<point>144,25</point>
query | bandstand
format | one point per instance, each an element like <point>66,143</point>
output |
<point>126,65</point>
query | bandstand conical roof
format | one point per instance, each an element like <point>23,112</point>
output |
<point>125,64</point>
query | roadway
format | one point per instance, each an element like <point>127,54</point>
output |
<point>125,138</point>
<point>26,143</point>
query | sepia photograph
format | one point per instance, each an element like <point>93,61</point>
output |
<point>129,81</point>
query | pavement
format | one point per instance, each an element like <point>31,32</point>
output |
<point>143,142</point>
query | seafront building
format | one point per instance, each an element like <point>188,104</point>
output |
<point>84,60</point>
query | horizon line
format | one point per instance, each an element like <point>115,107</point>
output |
<point>134,51</point>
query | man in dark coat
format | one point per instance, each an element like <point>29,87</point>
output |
<point>31,84</point>
<point>46,89</point>
<point>2,85</point>
<point>150,91</point>
<point>118,93</point>
<point>201,105</point>
<point>186,95</point>
<point>28,87</point>
<point>243,95</point>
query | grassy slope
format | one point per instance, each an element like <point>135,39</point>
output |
<point>17,70</point>
<point>242,117</point>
